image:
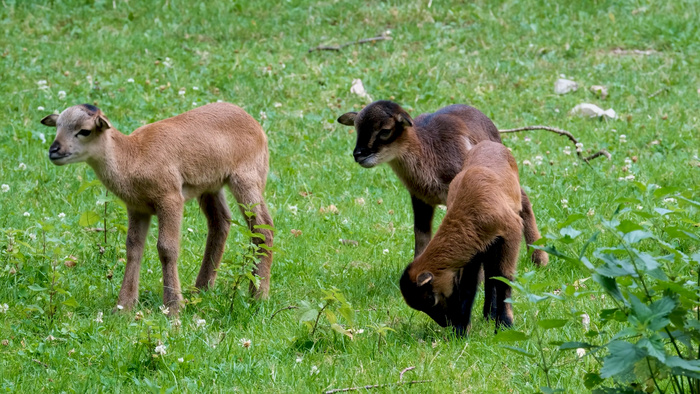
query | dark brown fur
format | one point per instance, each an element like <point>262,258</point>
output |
<point>481,229</point>
<point>426,155</point>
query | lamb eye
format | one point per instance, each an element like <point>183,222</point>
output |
<point>384,133</point>
<point>84,132</point>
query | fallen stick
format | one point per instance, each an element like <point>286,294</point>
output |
<point>341,46</point>
<point>570,136</point>
<point>374,386</point>
<point>283,309</point>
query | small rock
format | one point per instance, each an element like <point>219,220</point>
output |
<point>564,86</point>
<point>593,111</point>
<point>600,91</point>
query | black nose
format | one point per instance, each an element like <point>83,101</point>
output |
<point>53,150</point>
<point>360,153</point>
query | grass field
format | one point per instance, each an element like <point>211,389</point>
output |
<point>144,61</point>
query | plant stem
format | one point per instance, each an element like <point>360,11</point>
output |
<point>653,377</point>
<point>544,366</point>
<point>318,317</point>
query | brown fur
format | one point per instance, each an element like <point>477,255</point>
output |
<point>482,228</point>
<point>159,167</point>
<point>426,155</point>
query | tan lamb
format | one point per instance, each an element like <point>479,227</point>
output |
<point>481,229</point>
<point>160,166</point>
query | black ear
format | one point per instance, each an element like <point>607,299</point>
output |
<point>424,278</point>
<point>50,120</point>
<point>348,119</point>
<point>404,119</point>
<point>101,123</point>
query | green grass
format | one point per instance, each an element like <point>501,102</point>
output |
<point>501,57</point>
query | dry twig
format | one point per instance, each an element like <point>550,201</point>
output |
<point>376,386</point>
<point>570,136</point>
<point>341,46</point>
<point>283,309</point>
<point>41,363</point>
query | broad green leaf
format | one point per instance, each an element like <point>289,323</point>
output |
<point>575,345</point>
<point>264,227</point>
<point>85,185</point>
<point>663,211</point>
<point>36,288</point>
<point>511,336</point>
<point>654,346</point>
<point>571,219</point>
<point>637,235</point>
<point>569,233</point>
<point>688,365</point>
<point>71,302</point>
<point>552,323</point>
<point>592,379</point>
<point>623,355</point>
<point>680,233</point>
<point>627,226</point>
<point>518,350</point>
<point>88,218</point>
<point>665,191</point>
<point>610,286</point>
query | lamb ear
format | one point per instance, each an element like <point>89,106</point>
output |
<point>424,278</point>
<point>404,119</point>
<point>101,123</point>
<point>348,119</point>
<point>50,120</point>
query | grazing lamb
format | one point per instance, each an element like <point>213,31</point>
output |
<point>159,167</point>
<point>426,154</point>
<point>481,229</point>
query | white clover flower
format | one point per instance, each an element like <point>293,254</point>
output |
<point>623,138</point>
<point>61,94</point>
<point>167,62</point>
<point>32,237</point>
<point>580,352</point>
<point>177,323</point>
<point>360,201</point>
<point>182,91</point>
<point>195,88</point>
<point>190,229</point>
<point>27,214</point>
<point>130,80</point>
<point>40,108</point>
<point>98,319</point>
<point>160,349</point>
<point>385,251</point>
<point>590,212</point>
<point>61,215</point>
<point>314,370</point>
<point>639,207</point>
<point>628,161</point>
<point>138,316</point>
<point>527,163</point>
<point>629,177</point>
<point>293,209</point>
<point>277,105</point>
<point>586,321</point>
<point>245,342</point>
<point>538,160</point>
<point>120,307</point>
<point>527,139</point>
<point>4,308</point>
<point>42,84</point>
<point>579,147</point>
<point>564,203</point>
<point>194,103</point>
<point>299,359</point>
<point>5,188</point>
<point>670,200</point>
<point>42,137</point>
<point>263,115</point>
<point>181,360</point>
<point>200,323</point>
<point>567,150</point>
<point>22,166</point>
<point>164,309</point>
